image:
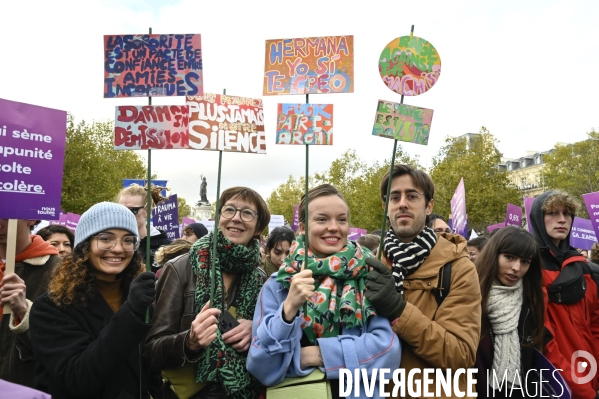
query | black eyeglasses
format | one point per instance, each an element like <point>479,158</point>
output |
<point>247,214</point>
<point>441,230</point>
<point>135,209</point>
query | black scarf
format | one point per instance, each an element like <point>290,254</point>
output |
<point>408,256</point>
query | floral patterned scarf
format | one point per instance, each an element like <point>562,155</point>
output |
<point>338,299</point>
<point>221,363</point>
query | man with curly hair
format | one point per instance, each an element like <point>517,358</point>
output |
<point>571,285</point>
<point>33,261</point>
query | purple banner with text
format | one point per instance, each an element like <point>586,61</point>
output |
<point>458,210</point>
<point>591,200</point>
<point>513,215</point>
<point>582,234</point>
<point>165,217</point>
<point>32,144</point>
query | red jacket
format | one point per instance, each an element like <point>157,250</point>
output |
<point>575,327</point>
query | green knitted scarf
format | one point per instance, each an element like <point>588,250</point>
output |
<point>340,281</point>
<point>221,363</point>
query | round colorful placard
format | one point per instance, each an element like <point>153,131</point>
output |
<point>409,65</point>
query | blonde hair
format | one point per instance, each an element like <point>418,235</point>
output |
<point>561,198</point>
<point>135,190</point>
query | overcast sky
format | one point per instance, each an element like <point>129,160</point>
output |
<point>527,70</point>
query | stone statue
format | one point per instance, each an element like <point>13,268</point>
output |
<point>203,197</point>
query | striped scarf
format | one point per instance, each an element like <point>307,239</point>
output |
<point>408,256</point>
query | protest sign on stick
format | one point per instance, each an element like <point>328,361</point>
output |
<point>147,65</point>
<point>305,124</point>
<point>165,217</point>
<point>582,235</point>
<point>409,65</point>
<point>402,122</point>
<point>312,65</point>
<point>226,123</point>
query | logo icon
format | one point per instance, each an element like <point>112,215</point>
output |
<point>582,366</point>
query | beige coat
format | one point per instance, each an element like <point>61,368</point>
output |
<point>446,336</point>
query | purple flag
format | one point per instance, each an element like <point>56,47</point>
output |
<point>458,210</point>
<point>72,220</point>
<point>32,143</point>
<point>591,200</point>
<point>527,205</point>
<point>295,224</point>
<point>355,233</point>
<point>495,227</point>
<point>513,216</point>
<point>165,217</point>
<point>582,235</point>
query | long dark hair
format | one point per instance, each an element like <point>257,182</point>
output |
<point>517,242</point>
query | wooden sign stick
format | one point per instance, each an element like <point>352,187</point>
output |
<point>11,249</point>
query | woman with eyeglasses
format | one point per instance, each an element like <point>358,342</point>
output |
<point>315,314</point>
<point>211,340</point>
<point>87,329</point>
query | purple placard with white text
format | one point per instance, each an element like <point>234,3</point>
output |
<point>582,234</point>
<point>71,221</point>
<point>492,227</point>
<point>295,224</point>
<point>32,143</point>
<point>591,200</point>
<point>355,233</point>
<point>527,205</point>
<point>513,216</point>
<point>458,210</point>
<point>165,217</point>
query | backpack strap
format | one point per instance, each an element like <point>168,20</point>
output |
<point>444,284</point>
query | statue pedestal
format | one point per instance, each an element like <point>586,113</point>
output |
<point>202,212</point>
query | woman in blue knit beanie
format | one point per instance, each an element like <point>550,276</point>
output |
<point>87,329</point>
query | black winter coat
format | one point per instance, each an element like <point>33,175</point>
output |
<point>87,352</point>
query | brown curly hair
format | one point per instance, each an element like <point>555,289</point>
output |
<point>73,281</point>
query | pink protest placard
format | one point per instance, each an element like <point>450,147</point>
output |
<point>305,124</point>
<point>153,65</point>
<point>309,65</point>
<point>513,215</point>
<point>458,210</point>
<point>527,205</point>
<point>32,145</point>
<point>151,127</point>
<point>219,122</point>
<point>591,200</point>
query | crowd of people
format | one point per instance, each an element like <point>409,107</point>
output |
<point>218,315</point>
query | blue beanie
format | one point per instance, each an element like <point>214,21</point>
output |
<point>104,216</point>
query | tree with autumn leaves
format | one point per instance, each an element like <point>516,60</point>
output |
<point>488,189</point>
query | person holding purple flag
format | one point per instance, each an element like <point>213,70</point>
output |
<point>425,285</point>
<point>572,288</point>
